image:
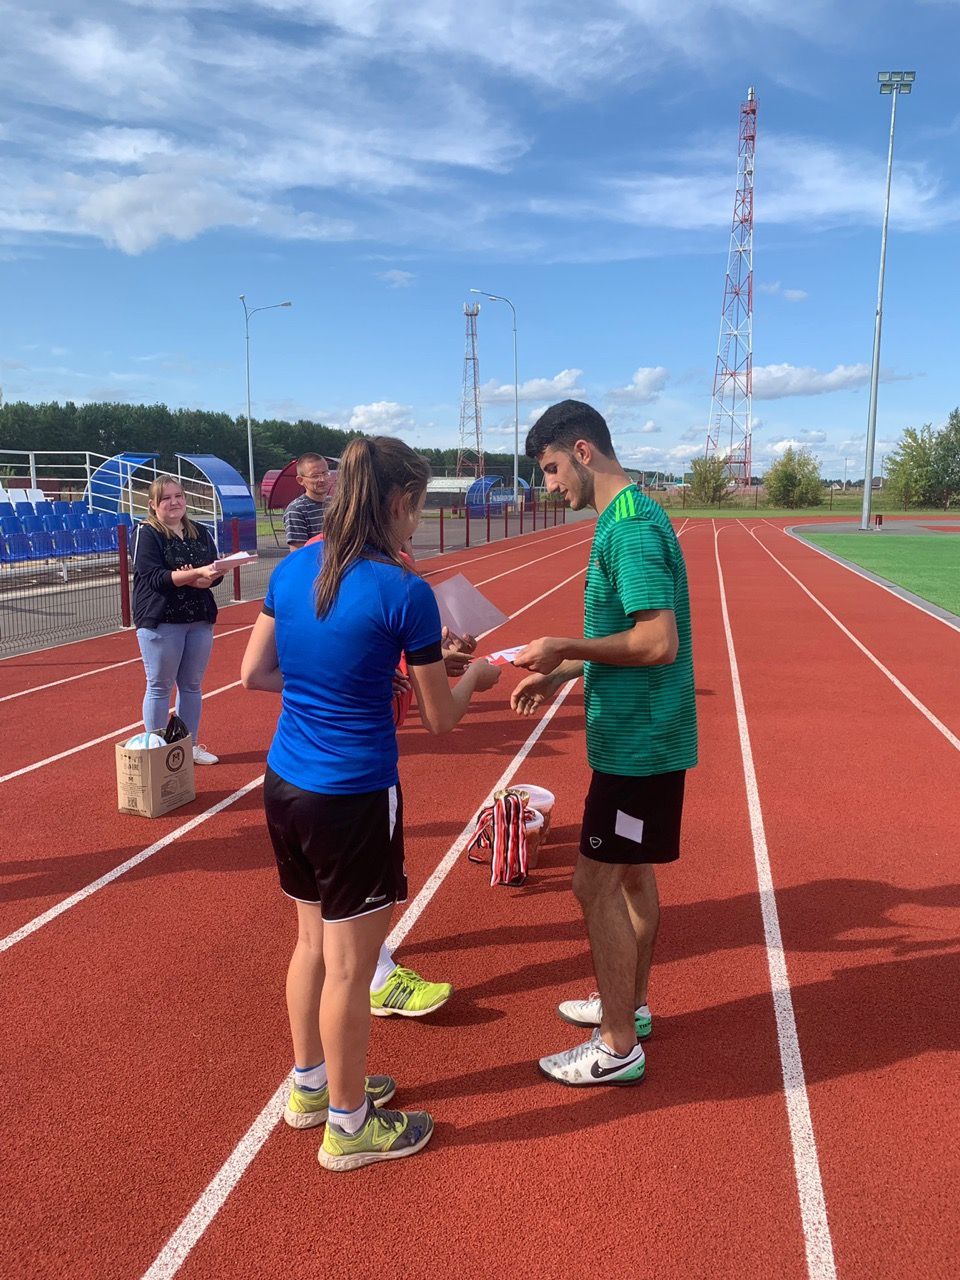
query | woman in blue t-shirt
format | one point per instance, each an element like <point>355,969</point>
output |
<point>335,620</point>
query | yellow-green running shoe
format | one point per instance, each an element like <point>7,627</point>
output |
<point>407,994</point>
<point>306,1108</point>
<point>385,1135</point>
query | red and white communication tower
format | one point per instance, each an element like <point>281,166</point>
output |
<point>470,449</point>
<point>730,432</point>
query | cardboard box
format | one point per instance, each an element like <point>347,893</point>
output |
<point>153,781</point>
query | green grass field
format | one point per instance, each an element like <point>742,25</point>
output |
<point>927,566</point>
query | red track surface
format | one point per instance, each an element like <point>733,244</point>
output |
<point>145,1030</point>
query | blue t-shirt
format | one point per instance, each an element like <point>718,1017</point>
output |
<point>336,733</point>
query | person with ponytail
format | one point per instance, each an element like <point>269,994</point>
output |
<point>336,618</point>
<point>173,608</point>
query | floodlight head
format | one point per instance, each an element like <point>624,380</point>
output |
<point>884,76</point>
<point>286,304</point>
<point>906,88</point>
<point>887,88</point>
<point>242,296</point>
<point>910,76</point>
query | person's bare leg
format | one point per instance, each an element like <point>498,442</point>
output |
<point>598,887</point>
<point>350,950</point>
<point>304,985</point>
<point>643,907</point>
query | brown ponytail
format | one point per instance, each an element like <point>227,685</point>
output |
<point>357,521</point>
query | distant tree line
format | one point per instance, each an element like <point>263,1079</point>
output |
<point>110,428</point>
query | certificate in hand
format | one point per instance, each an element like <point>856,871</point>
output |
<point>464,610</point>
<point>225,563</point>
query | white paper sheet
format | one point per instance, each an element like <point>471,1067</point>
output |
<point>464,610</point>
<point>225,563</point>
<point>503,657</point>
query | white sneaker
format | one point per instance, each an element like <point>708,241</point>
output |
<point>202,756</point>
<point>589,1013</point>
<point>594,1063</point>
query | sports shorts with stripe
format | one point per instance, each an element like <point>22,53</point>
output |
<point>344,852</point>
<point>630,820</point>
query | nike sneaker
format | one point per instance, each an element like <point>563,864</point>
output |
<point>594,1063</point>
<point>589,1013</point>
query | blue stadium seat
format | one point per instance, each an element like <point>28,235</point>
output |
<point>23,509</point>
<point>83,540</point>
<point>18,548</point>
<point>64,542</point>
<point>52,523</point>
<point>125,518</point>
<point>90,520</point>
<point>78,507</point>
<point>107,519</point>
<point>10,524</point>
<point>61,507</point>
<point>6,509</point>
<point>41,546</point>
<point>31,524</point>
<point>74,522</point>
<point>105,539</point>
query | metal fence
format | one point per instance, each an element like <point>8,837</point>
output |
<point>53,601</point>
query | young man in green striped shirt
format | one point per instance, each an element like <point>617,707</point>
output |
<point>636,659</point>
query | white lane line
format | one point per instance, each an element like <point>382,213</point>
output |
<point>683,526</point>
<point>212,1199</point>
<point>505,545</point>
<point>898,684</point>
<point>94,742</point>
<point>38,688</point>
<point>852,568</point>
<point>529,563</point>
<point>806,1163</point>
<point>82,894</point>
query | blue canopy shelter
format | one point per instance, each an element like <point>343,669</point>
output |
<point>494,492</point>
<point>108,484</point>
<point>233,498</point>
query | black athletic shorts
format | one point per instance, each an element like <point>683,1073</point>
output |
<point>344,852</point>
<point>633,820</point>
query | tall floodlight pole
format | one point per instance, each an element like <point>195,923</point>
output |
<point>894,83</point>
<point>247,313</point>
<point>496,297</point>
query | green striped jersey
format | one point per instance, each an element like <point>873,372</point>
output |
<point>640,720</point>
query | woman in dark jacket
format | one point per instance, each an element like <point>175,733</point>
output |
<point>173,608</point>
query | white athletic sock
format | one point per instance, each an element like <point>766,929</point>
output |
<point>349,1121</point>
<point>385,966</point>
<point>644,1009</point>
<point>310,1077</point>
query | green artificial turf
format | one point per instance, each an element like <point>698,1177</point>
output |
<point>927,566</point>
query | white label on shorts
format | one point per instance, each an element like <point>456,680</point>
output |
<point>393,811</point>
<point>629,828</point>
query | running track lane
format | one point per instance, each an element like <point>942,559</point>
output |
<point>920,649</point>
<point>863,838</point>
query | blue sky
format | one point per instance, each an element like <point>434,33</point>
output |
<point>372,161</point>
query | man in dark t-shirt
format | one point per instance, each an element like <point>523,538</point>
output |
<point>303,518</point>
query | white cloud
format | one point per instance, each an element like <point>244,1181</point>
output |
<point>396,278</point>
<point>561,386</point>
<point>648,428</point>
<point>382,418</point>
<point>644,387</point>
<point>775,381</point>
<point>791,295</point>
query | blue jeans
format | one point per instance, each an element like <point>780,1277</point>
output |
<point>174,652</point>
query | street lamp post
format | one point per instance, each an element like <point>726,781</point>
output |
<point>496,297</point>
<point>894,83</point>
<point>247,313</point>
